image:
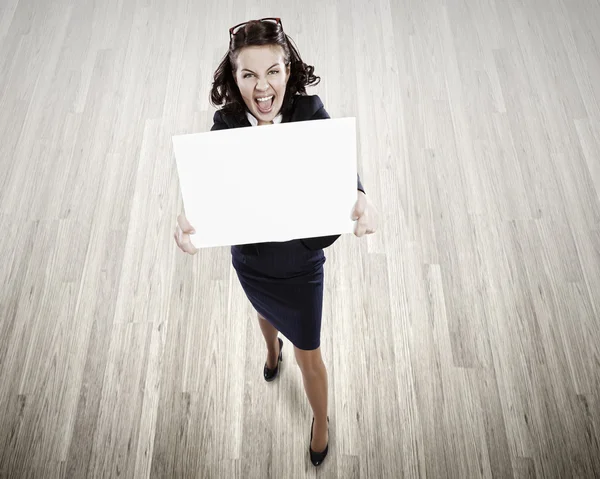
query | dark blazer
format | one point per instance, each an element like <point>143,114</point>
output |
<point>304,107</point>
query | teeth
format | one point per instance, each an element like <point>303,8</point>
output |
<point>265,99</point>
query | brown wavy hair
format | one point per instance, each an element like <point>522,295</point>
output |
<point>224,89</point>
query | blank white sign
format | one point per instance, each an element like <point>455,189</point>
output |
<point>270,183</point>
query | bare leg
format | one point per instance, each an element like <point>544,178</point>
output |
<point>314,375</point>
<point>270,334</point>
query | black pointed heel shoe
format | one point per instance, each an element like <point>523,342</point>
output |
<point>317,457</point>
<point>271,374</point>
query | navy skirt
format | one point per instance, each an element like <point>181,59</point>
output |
<point>284,283</point>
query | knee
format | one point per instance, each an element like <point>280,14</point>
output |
<point>309,362</point>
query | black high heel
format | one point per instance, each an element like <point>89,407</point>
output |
<point>317,457</point>
<point>271,374</point>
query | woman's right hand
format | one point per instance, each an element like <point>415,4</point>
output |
<point>182,235</point>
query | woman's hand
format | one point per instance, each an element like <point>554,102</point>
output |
<point>366,214</point>
<point>182,235</point>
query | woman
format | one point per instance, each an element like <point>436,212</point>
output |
<point>262,81</point>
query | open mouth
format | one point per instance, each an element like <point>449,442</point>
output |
<point>265,106</point>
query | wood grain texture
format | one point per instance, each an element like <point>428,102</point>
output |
<point>462,340</point>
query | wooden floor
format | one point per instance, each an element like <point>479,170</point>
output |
<point>462,340</point>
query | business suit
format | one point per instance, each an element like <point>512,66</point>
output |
<point>284,280</point>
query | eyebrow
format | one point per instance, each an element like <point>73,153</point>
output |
<point>274,65</point>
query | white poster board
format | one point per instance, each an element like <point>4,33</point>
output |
<point>270,183</point>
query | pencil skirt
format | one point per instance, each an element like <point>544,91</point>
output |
<point>284,283</point>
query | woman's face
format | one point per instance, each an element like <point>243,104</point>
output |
<point>261,73</point>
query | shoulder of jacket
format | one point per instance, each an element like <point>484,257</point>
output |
<point>306,106</point>
<point>311,101</point>
<point>225,116</point>
<point>217,116</point>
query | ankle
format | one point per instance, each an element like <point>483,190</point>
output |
<point>323,423</point>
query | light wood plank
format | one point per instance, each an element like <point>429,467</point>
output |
<point>461,340</point>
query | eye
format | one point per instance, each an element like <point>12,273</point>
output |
<point>249,74</point>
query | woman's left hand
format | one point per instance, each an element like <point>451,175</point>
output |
<point>366,214</point>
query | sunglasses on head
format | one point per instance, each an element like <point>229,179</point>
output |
<point>237,28</point>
